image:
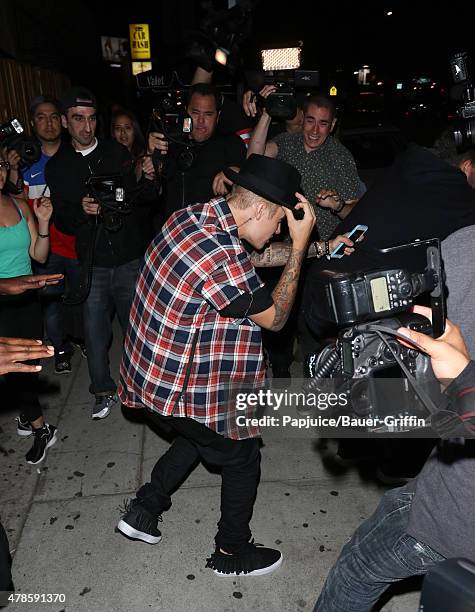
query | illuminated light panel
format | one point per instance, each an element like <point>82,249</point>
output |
<point>281,59</point>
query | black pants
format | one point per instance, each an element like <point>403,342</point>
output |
<point>20,317</point>
<point>240,463</point>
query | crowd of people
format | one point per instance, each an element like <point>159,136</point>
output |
<point>243,224</point>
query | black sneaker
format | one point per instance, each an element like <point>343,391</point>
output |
<point>80,344</point>
<point>253,560</point>
<point>138,523</point>
<point>44,438</point>
<point>62,362</point>
<point>23,428</point>
<point>102,405</point>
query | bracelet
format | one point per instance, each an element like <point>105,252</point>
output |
<point>319,250</point>
<point>327,249</point>
<point>43,235</point>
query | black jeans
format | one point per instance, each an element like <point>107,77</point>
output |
<point>240,463</point>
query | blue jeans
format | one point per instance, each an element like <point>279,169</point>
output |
<point>53,307</point>
<point>112,290</point>
<point>380,552</point>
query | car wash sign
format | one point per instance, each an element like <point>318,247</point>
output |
<point>139,41</point>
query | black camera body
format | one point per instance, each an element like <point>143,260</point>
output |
<point>363,365</point>
<point>363,354</point>
<point>282,104</point>
<point>171,118</point>
<point>367,361</point>
<point>464,130</point>
<point>12,136</point>
<point>108,190</point>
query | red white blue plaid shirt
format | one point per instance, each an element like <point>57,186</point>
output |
<point>195,267</point>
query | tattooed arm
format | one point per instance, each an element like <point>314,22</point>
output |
<point>277,253</point>
<point>275,317</point>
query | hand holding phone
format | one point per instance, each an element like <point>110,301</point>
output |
<point>356,233</point>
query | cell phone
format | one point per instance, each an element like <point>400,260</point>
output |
<point>354,235</point>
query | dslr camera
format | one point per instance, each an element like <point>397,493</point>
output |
<point>172,120</point>
<point>380,375</point>
<point>12,136</point>
<point>108,190</point>
<point>464,130</point>
<point>281,69</point>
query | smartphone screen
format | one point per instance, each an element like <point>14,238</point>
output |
<point>354,235</point>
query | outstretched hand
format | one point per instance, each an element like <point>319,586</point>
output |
<point>20,284</point>
<point>15,350</point>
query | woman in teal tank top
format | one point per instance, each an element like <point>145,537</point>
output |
<point>21,237</point>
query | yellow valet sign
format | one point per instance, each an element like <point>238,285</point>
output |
<point>139,41</point>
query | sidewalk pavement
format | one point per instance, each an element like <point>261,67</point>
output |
<point>60,518</point>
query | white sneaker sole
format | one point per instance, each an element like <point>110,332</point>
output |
<point>50,443</point>
<point>258,572</point>
<point>102,414</point>
<point>24,433</point>
<point>129,531</point>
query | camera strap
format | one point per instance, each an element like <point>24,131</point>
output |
<point>380,330</point>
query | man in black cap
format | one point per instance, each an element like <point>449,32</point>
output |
<point>109,250</point>
<point>194,338</point>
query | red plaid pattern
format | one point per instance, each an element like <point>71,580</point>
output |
<point>181,357</point>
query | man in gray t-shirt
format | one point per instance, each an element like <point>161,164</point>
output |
<point>329,176</point>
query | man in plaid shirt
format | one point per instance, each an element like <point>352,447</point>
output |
<point>195,336</point>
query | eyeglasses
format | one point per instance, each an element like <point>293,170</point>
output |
<point>5,164</point>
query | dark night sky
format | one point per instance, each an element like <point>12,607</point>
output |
<point>419,36</point>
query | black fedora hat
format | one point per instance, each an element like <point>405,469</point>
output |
<point>272,179</point>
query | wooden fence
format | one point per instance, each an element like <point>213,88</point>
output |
<point>20,83</point>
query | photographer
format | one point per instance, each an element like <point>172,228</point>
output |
<point>110,256</point>
<point>431,518</point>
<point>193,171</point>
<point>329,176</point>
<point>45,120</point>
